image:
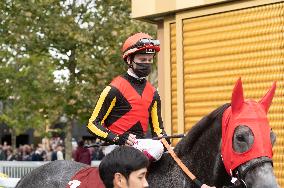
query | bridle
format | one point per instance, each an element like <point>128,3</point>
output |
<point>240,172</point>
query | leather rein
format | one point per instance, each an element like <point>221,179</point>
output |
<point>180,163</point>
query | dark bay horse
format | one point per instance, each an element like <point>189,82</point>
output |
<point>241,126</point>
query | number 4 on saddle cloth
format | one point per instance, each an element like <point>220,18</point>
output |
<point>87,177</point>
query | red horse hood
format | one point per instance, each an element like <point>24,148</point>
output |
<point>253,115</point>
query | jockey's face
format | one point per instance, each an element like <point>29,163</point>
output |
<point>137,179</point>
<point>144,58</point>
<point>141,64</point>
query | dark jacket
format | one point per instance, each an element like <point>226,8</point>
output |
<point>83,155</point>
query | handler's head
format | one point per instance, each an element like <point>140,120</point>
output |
<point>124,167</point>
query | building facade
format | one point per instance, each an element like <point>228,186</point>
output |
<point>206,46</point>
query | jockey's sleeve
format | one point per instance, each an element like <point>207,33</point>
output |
<point>104,105</point>
<point>156,122</point>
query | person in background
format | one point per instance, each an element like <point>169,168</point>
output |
<point>2,154</point>
<point>10,155</point>
<point>82,154</point>
<point>53,155</point>
<point>18,154</point>
<point>97,154</point>
<point>37,155</point>
<point>59,153</point>
<point>27,150</point>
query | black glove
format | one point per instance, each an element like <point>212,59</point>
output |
<point>122,139</point>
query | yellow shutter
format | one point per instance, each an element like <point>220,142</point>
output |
<point>220,48</point>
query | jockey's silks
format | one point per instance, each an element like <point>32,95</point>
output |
<point>112,105</point>
<point>253,115</point>
<point>139,106</point>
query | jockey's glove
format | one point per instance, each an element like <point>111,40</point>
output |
<point>121,139</point>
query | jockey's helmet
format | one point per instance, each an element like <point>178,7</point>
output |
<point>141,43</point>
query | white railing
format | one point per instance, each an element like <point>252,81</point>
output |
<point>17,169</point>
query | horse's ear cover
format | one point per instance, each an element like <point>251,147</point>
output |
<point>237,96</point>
<point>253,115</point>
<point>267,99</point>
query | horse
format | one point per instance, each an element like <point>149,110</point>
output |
<point>233,141</point>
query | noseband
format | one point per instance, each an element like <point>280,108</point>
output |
<point>241,172</point>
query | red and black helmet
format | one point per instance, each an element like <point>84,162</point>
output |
<point>140,43</point>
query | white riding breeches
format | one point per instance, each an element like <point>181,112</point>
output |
<point>153,149</point>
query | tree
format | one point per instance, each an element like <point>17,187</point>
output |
<point>82,38</point>
<point>30,97</point>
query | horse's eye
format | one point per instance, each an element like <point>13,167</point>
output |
<point>241,138</point>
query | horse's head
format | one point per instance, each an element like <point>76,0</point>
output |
<point>247,139</point>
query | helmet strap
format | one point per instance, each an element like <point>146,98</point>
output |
<point>130,60</point>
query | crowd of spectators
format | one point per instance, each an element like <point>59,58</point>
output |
<point>50,150</point>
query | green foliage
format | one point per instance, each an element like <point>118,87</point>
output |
<point>40,37</point>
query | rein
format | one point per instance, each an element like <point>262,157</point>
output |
<point>180,163</point>
<point>154,138</point>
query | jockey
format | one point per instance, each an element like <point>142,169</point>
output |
<point>130,104</point>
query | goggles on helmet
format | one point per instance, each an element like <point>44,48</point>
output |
<point>146,42</point>
<point>144,45</point>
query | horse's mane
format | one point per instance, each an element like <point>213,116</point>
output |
<point>185,145</point>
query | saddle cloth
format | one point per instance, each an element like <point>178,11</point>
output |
<point>88,177</point>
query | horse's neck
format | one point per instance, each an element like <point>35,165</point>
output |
<point>203,155</point>
<point>203,160</point>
